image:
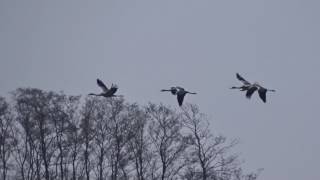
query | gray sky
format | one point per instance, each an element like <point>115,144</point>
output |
<point>144,46</point>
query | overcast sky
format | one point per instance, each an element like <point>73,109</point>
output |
<point>144,46</point>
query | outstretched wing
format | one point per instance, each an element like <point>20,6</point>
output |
<point>112,90</point>
<point>240,78</point>
<point>263,93</point>
<point>180,98</point>
<point>102,85</point>
<point>250,91</point>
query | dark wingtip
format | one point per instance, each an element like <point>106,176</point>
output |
<point>98,81</point>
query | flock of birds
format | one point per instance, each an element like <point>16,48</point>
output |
<point>181,92</point>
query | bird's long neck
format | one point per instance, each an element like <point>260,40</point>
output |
<point>93,94</point>
<point>271,90</point>
<point>234,87</point>
<point>190,92</point>
<point>165,90</point>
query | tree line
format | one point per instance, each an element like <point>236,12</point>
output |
<point>47,135</point>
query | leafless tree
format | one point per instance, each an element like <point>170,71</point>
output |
<point>34,107</point>
<point>74,143</point>
<point>208,153</point>
<point>87,135</point>
<point>121,133</point>
<point>45,135</point>
<point>25,151</point>
<point>102,135</point>
<point>168,142</point>
<point>7,139</point>
<point>62,113</point>
<point>238,174</point>
<point>140,142</point>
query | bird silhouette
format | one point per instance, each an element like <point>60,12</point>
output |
<point>261,91</point>
<point>246,84</point>
<point>106,92</point>
<point>251,88</point>
<point>173,90</point>
<point>180,92</point>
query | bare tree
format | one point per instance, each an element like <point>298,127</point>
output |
<point>121,133</point>
<point>62,113</point>
<point>7,139</point>
<point>25,151</point>
<point>169,144</point>
<point>44,135</point>
<point>34,107</point>
<point>74,144</point>
<point>87,135</point>
<point>238,174</point>
<point>207,152</point>
<point>101,117</point>
<point>140,142</point>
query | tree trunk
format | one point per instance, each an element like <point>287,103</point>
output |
<point>61,162</point>
<point>44,155</point>
<point>101,164</point>
<point>86,154</point>
<point>4,167</point>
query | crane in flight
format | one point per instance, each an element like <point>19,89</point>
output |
<point>106,92</point>
<point>261,91</point>
<point>173,90</point>
<point>251,88</point>
<point>179,92</point>
<point>245,84</point>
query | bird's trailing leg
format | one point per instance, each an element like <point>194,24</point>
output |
<point>241,88</point>
<point>93,94</point>
<point>120,96</point>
